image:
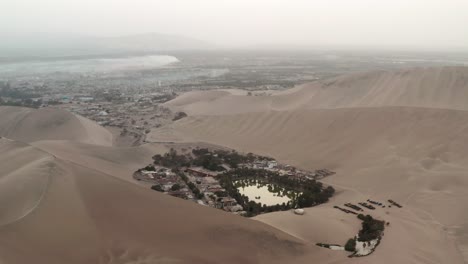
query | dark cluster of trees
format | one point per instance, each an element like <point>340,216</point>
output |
<point>350,245</point>
<point>172,159</point>
<point>253,208</point>
<point>179,115</point>
<point>309,192</point>
<point>210,160</point>
<point>213,160</point>
<point>157,187</point>
<point>148,168</point>
<point>371,228</point>
<point>198,194</point>
<point>195,190</point>
<point>175,187</point>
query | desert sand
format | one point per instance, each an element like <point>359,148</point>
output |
<point>442,87</point>
<point>66,194</point>
<point>56,210</point>
<point>28,125</point>
<point>389,135</point>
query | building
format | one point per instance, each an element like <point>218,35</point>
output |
<point>200,172</point>
<point>228,201</point>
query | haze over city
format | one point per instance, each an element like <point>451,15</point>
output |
<point>398,24</point>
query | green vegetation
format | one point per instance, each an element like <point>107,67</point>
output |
<point>302,192</point>
<point>179,115</point>
<point>350,245</point>
<point>175,187</point>
<point>198,194</point>
<point>149,168</point>
<point>308,192</point>
<point>195,190</point>
<point>157,188</point>
<point>172,160</point>
<point>371,228</point>
<point>210,160</point>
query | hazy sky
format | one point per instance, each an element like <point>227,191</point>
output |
<point>409,23</point>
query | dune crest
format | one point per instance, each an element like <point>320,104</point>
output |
<point>29,125</point>
<point>444,87</point>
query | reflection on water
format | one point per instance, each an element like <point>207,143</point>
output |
<point>261,194</point>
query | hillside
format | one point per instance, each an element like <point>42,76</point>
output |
<point>29,125</point>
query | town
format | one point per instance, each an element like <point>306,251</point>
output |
<point>216,178</point>
<point>129,101</point>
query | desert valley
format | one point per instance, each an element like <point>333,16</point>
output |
<point>68,195</point>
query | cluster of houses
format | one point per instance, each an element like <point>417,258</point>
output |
<point>204,180</point>
<point>207,190</point>
<point>287,170</point>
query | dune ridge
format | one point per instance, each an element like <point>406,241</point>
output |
<point>29,125</point>
<point>443,87</point>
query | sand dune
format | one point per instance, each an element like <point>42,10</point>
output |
<point>378,152</point>
<point>80,215</point>
<point>396,134</point>
<point>443,87</point>
<point>120,162</point>
<point>21,190</point>
<point>63,200</point>
<point>28,125</point>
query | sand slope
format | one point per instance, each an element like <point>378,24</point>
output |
<point>28,125</point>
<point>80,215</point>
<point>396,134</point>
<point>444,87</point>
<point>382,153</point>
<point>21,187</point>
<point>120,162</point>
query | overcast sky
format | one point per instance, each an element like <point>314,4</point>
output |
<point>384,23</point>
